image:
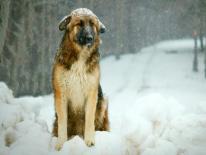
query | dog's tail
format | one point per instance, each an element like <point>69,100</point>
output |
<point>102,119</point>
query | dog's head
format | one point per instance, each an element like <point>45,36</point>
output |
<point>83,27</point>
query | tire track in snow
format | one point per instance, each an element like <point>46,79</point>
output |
<point>147,70</point>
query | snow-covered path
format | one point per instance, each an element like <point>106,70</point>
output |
<point>167,70</point>
<point>157,106</point>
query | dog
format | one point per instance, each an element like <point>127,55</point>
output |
<point>80,106</point>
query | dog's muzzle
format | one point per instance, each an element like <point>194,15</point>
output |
<point>89,39</point>
<point>86,36</point>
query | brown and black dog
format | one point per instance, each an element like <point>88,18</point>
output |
<point>79,102</point>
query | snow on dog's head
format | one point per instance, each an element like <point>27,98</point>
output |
<point>80,12</point>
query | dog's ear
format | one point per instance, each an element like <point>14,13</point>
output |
<point>102,27</point>
<point>64,22</point>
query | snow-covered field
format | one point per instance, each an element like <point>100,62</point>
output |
<point>157,106</point>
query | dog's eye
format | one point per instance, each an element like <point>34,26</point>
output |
<point>80,23</point>
<point>91,22</point>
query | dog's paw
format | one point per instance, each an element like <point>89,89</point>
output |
<point>59,145</point>
<point>89,141</point>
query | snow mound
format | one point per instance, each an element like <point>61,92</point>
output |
<point>6,94</point>
<point>157,108</point>
<point>164,127</point>
<point>9,115</point>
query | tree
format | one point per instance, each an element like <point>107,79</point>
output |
<point>201,13</point>
<point>205,51</point>
<point>4,18</point>
<point>195,60</point>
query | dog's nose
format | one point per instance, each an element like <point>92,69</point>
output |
<point>89,38</point>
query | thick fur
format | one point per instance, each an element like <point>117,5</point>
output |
<point>79,102</point>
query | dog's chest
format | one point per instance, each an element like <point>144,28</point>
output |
<point>76,83</point>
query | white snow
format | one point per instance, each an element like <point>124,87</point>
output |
<point>157,106</point>
<point>82,12</point>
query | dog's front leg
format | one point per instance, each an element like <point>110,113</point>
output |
<point>61,109</point>
<point>90,110</point>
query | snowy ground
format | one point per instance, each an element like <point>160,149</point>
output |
<point>157,106</point>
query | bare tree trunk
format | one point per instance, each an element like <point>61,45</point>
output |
<point>201,34</point>
<point>4,17</point>
<point>120,25</point>
<point>195,60</point>
<point>201,42</point>
<point>202,8</point>
<point>205,56</point>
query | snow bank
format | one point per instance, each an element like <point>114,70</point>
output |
<point>156,107</point>
<point>6,94</point>
<point>177,45</point>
